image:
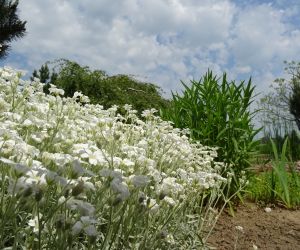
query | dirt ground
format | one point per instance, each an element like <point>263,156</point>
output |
<point>278,229</point>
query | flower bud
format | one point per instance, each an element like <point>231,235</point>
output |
<point>27,192</point>
<point>161,196</point>
<point>78,189</point>
<point>38,194</point>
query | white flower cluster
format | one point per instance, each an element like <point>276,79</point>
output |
<point>50,139</point>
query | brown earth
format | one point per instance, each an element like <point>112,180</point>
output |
<point>278,229</point>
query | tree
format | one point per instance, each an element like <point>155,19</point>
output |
<point>294,98</point>
<point>11,27</point>
<point>280,109</point>
<point>44,75</point>
<point>101,88</point>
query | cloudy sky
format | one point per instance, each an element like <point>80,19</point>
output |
<point>162,41</point>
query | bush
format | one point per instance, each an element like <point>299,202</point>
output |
<point>78,176</point>
<point>217,114</point>
<point>101,88</point>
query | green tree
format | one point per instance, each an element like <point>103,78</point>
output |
<point>280,109</point>
<point>11,27</point>
<point>43,74</point>
<point>45,77</point>
<point>294,98</point>
<point>104,89</point>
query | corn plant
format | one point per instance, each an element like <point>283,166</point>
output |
<point>217,113</point>
<point>281,184</point>
<point>286,181</point>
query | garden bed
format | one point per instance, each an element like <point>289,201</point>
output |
<point>278,229</point>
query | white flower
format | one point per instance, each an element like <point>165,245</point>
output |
<point>151,204</point>
<point>84,99</point>
<point>127,107</point>
<point>56,91</point>
<point>85,208</point>
<point>27,123</point>
<point>56,141</point>
<point>120,187</point>
<point>110,173</point>
<point>86,183</point>
<point>77,94</point>
<point>169,201</point>
<point>34,223</point>
<point>87,224</point>
<point>139,180</point>
<point>95,157</point>
<point>128,163</point>
<point>170,186</point>
<point>61,200</point>
<point>170,239</point>
<point>7,161</point>
<point>35,177</point>
<point>17,186</point>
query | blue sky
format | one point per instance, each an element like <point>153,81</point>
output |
<point>162,41</point>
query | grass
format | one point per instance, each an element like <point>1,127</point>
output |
<point>278,185</point>
<point>261,189</point>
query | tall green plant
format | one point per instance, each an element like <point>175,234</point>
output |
<point>279,166</point>
<point>281,183</point>
<point>217,112</point>
<point>292,148</point>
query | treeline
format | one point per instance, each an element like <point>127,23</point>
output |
<point>100,87</point>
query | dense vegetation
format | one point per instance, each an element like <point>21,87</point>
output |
<point>217,113</point>
<point>101,88</point>
<point>76,174</point>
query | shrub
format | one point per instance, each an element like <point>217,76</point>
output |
<point>101,88</point>
<point>217,114</point>
<point>78,176</point>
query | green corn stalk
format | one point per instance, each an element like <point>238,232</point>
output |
<point>279,167</point>
<point>217,112</point>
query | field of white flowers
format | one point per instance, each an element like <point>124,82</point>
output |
<point>76,176</point>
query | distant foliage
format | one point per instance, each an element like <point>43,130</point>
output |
<point>44,76</point>
<point>101,88</point>
<point>294,99</point>
<point>292,149</point>
<point>217,113</point>
<point>280,109</point>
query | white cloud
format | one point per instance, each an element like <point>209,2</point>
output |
<point>243,69</point>
<point>161,41</point>
<point>261,38</point>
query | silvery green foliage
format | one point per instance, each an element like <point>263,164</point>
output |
<point>75,175</point>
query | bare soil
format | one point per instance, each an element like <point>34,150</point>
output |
<point>278,229</point>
